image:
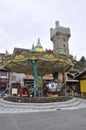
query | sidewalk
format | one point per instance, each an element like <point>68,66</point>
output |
<point>15,107</point>
<point>75,102</point>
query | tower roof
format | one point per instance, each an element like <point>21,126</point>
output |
<point>38,46</point>
<point>7,53</point>
<point>33,48</point>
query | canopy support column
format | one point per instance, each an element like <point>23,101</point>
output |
<point>35,87</point>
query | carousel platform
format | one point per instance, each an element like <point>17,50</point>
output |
<point>17,107</point>
<point>37,99</point>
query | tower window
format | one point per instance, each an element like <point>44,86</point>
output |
<point>64,39</point>
<point>64,46</point>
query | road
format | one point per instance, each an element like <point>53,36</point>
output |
<point>59,119</point>
<point>54,120</point>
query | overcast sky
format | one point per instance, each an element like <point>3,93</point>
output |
<point>23,21</point>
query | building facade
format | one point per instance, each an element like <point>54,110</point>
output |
<point>82,81</point>
<point>4,75</point>
<point>4,79</point>
<point>60,37</point>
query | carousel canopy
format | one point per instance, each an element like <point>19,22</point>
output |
<point>47,62</point>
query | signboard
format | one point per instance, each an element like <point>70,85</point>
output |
<point>14,91</point>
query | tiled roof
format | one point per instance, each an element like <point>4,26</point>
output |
<point>46,77</point>
<point>80,75</point>
<point>49,77</point>
<point>29,77</point>
<point>1,67</point>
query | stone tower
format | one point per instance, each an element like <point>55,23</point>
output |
<point>60,37</point>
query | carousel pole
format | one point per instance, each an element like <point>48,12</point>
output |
<point>65,83</point>
<point>35,87</point>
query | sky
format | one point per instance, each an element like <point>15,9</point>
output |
<point>22,22</point>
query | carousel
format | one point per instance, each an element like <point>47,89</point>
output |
<point>38,64</point>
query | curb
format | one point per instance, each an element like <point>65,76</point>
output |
<point>40,106</point>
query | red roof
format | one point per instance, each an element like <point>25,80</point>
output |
<point>29,77</point>
<point>46,77</point>
<point>1,67</point>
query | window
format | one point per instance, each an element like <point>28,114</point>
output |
<point>63,45</point>
<point>64,39</point>
<point>3,73</point>
<point>0,59</point>
<point>3,80</point>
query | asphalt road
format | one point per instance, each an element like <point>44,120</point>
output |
<point>53,120</point>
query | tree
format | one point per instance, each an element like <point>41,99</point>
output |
<point>82,59</point>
